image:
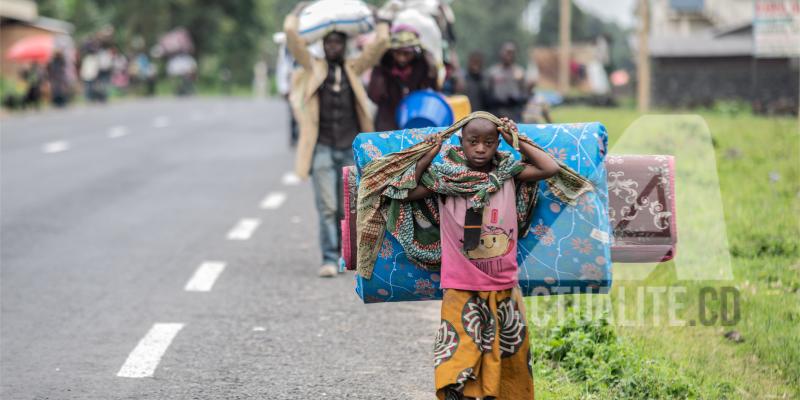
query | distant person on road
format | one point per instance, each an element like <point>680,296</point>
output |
<point>404,69</point>
<point>59,83</point>
<point>120,79</point>
<point>284,68</point>
<point>105,66</point>
<point>34,78</point>
<point>89,71</point>
<point>453,82</point>
<point>143,71</point>
<point>474,82</point>
<point>509,85</point>
<point>183,68</point>
<point>331,108</point>
<point>477,190</point>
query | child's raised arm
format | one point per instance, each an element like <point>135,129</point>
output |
<point>540,165</point>
<point>421,192</point>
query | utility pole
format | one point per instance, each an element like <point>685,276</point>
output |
<point>643,58</point>
<point>565,22</point>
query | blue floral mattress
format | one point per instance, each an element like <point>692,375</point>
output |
<point>568,248</point>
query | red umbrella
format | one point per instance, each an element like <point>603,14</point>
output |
<point>37,48</point>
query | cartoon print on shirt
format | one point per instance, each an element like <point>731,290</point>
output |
<point>495,242</point>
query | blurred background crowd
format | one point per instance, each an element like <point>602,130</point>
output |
<point>698,53</point>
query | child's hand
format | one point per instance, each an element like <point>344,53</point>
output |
<point>420,192</point>
<point>436,140</point>
<point>506,128</point>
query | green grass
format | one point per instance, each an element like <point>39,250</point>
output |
<point>758,168</point>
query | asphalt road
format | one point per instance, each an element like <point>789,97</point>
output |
<point>107,214</point>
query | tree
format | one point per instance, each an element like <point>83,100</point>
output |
<point>585,28</point>
<point>484,26</point>
<point>225,33</point>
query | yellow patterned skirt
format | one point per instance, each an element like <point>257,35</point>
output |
<point>482,347</point>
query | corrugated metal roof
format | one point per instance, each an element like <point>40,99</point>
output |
<point>687,5</point>
<point>706,45</point>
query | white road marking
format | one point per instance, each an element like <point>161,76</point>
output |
<point>55,147</point>
<point>144,359</point>
<point>244,229</point>
<point>205,276</point>
<point>273,200</point>
<point>161,122</point>
<point>117,131</point>
<point>259,329</point>
<point>290,179</point>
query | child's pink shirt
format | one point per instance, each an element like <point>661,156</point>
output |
<point>493,264</point>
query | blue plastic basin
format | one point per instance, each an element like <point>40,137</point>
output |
<point>422,109</point>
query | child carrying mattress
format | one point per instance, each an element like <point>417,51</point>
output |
<point>481,347</point>
<point>463,217</point>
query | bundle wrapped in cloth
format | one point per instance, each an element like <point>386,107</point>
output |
<point>351,17</point>
<point>565,244</point>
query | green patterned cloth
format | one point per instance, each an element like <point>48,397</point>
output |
<point>415,224</point>
<point>386,182</point>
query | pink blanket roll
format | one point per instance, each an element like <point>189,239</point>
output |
<point>641,207</point>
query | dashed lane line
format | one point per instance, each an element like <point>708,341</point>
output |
<point>55,147</point>
<point>117,131</point>
<point>273,200</point>
<point>144,359</point>
<point>244,229</point>
<point>205,276</point>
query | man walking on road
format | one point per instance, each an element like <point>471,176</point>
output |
<point>331,107</point>
<point>509,85</point>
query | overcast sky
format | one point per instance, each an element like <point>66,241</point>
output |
<point>619,11</point>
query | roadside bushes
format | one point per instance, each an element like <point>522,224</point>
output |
<point>590,353</point>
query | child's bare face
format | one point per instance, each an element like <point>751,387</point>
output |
<point>480,139</point>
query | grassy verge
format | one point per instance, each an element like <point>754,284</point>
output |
<point>589,356</point>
